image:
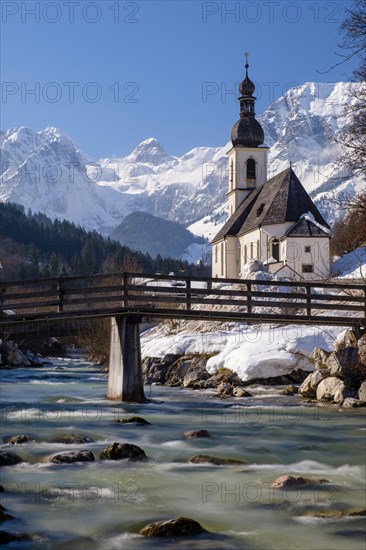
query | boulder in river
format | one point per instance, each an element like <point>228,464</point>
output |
<point>241,392</point>
<point>224,389</point>
<point>331,389</point>
<point>217,461</point>
<point>137,420</point>
<point>195,375</point>
<point>177,527</point>
<point>18,440</point>
<point>294,482</point>
<point>8,458</point>
<point>120,451</point>
<point>197,433</point>
<point>73,456</point>
<point>74,439</point>
<point>362,392</point>
<point>3,515</point>
<point>352,403</point>
<point>362,349</point>
<point>337,514</point>
<point>290,390</point>
<point>12,355</point>
<point>306,389</point>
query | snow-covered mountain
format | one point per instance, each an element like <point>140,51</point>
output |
<point>47,172</point>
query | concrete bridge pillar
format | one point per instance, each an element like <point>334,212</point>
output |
<point>125,368</point>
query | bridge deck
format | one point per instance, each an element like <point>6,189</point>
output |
<point>169,296</point>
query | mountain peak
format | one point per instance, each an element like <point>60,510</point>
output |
<point>150,151</point>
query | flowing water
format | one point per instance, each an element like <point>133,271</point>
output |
<point>101,505</point>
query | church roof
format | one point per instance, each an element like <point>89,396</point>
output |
<point>281,199</point>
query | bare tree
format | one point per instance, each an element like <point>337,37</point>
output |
<point>353,45</point>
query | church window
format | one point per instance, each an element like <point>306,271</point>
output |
<point>260,210</point>
<point>216,254</point>
<point>231,174</point>
<point>245,254</point>
<point>239,253</point>
<point>274,249</point>
<point>222,259</point>
<point>251,250</point>
<point>307,268</point>
<point>251,169</point>
<point>258,251</point>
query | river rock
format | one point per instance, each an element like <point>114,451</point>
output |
<point>4,516</point>
<point>120,451</point>
<point>154,370</point>
<point>178,371</point>
<point>347,339</point>
<point>197,433</point>
<point>317,376</point>
<point>306,389</point>
<point>204,459</point>
<point>8,458</point>
<point>138,420</point>
<point>177,527</point>
<point>13,356</point>
<point>362,392</point>
<point>330,389</point>
<point>335,514</point>
<point>320,357</point>
<point>224,389</point>
<point>241,392</point>
<point>362,349</point>
<point>289,482</point>
<point>291,390</point>
<point>73,456</point>
<point>353,371</point>
<point>18,440</point>
<point>351,402</point>
<point>74,439</point>
<point>195,375</point>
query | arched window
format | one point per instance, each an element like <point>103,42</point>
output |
<point>251,169</point>
<point>274,249</point>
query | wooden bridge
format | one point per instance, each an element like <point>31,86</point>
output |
<point>129,298</point>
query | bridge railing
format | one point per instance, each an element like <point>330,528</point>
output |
<point>158,295</point>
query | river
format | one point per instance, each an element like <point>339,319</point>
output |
<point>101,505</point>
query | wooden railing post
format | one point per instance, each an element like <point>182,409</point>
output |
<point>60,290</point>
<point>249,298</point>
<point>125,291</point>
<point>188,294</point>
<point>308,300</point>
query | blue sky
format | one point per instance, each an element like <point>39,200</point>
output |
<point>112,73</point>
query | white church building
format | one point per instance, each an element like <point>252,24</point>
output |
<point>274,221</point>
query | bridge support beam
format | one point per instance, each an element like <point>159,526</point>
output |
<point>125,368</point>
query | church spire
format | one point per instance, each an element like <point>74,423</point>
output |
<point>247,132</point>
<point>246,90</point>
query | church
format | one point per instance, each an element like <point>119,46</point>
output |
<point>274,221</point>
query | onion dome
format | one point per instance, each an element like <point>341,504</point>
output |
<point>247,132</point>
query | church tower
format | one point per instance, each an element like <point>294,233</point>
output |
<point>247,159</point>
